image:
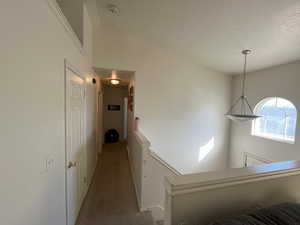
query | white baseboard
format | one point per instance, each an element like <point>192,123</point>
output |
<point>89,182</point>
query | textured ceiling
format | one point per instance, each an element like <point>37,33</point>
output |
<point>213,32</point>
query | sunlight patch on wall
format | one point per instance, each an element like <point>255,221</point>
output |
<point>205,149</point>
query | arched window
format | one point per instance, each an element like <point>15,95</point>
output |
<point>278,121</point>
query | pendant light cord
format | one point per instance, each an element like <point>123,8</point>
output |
<point>244,77</point>
<point>246,112</point>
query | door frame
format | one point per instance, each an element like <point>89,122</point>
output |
<point>100,137</point>
<point>69,66</point>
<point>125,115</point>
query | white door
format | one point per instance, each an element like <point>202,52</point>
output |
<point>75,148</point>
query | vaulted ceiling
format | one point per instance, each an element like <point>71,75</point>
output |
<point>213,32</point>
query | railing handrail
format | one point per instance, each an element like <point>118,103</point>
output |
<point>142,139</point>
<point>164,163</point>
<point>218,179</point>
<point>145,142</point>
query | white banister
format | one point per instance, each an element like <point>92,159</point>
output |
<point>146,143</point>
<point>201,198</point>
<point>148,171</point>
<point>156,157</point>
<point>142,139</point>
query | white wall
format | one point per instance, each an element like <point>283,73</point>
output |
<point>33,47</point>
<point>92,128</point>
<point>93,133</point>
<point>281,81</point>
<point>181,105</point>
<point>73,11</point>
<point>114,119</point>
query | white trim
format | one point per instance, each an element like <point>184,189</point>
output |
<point>142,139</point>
<point>201,198</point>
<point>64,22</point>
<point>66,133</point>
<point>247,175</point>
<point>69,66</point>
<point>146,144</point>
<point>270,136</point>
<point>138,198</point>
<point>163,162</point>
<point>273,138</point>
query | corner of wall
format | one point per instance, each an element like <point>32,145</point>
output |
<point>230,124</point>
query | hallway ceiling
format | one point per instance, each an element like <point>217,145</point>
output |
<point>213,32</point>
<point>106,74</point>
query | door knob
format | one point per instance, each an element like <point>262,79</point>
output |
<point>72,164</point>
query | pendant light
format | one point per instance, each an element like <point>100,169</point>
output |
<point>246,112</point>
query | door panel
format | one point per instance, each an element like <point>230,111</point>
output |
<point>75,152</point>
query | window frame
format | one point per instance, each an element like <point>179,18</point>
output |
<point>273,137</point>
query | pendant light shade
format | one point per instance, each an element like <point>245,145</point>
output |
<point>246,112</point>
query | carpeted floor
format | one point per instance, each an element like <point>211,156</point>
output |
<point>111,199</point>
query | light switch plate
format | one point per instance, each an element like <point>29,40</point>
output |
<point>49,163</point>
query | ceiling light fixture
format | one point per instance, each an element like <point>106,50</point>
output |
<point>114,78</point>
<point>115,81</point>
<point>113,9</point>
<point>246,112</point>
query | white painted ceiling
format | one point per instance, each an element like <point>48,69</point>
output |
<point>213,32</point>
<point>106,74</point>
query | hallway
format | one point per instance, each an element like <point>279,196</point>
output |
<point>111,199</point>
